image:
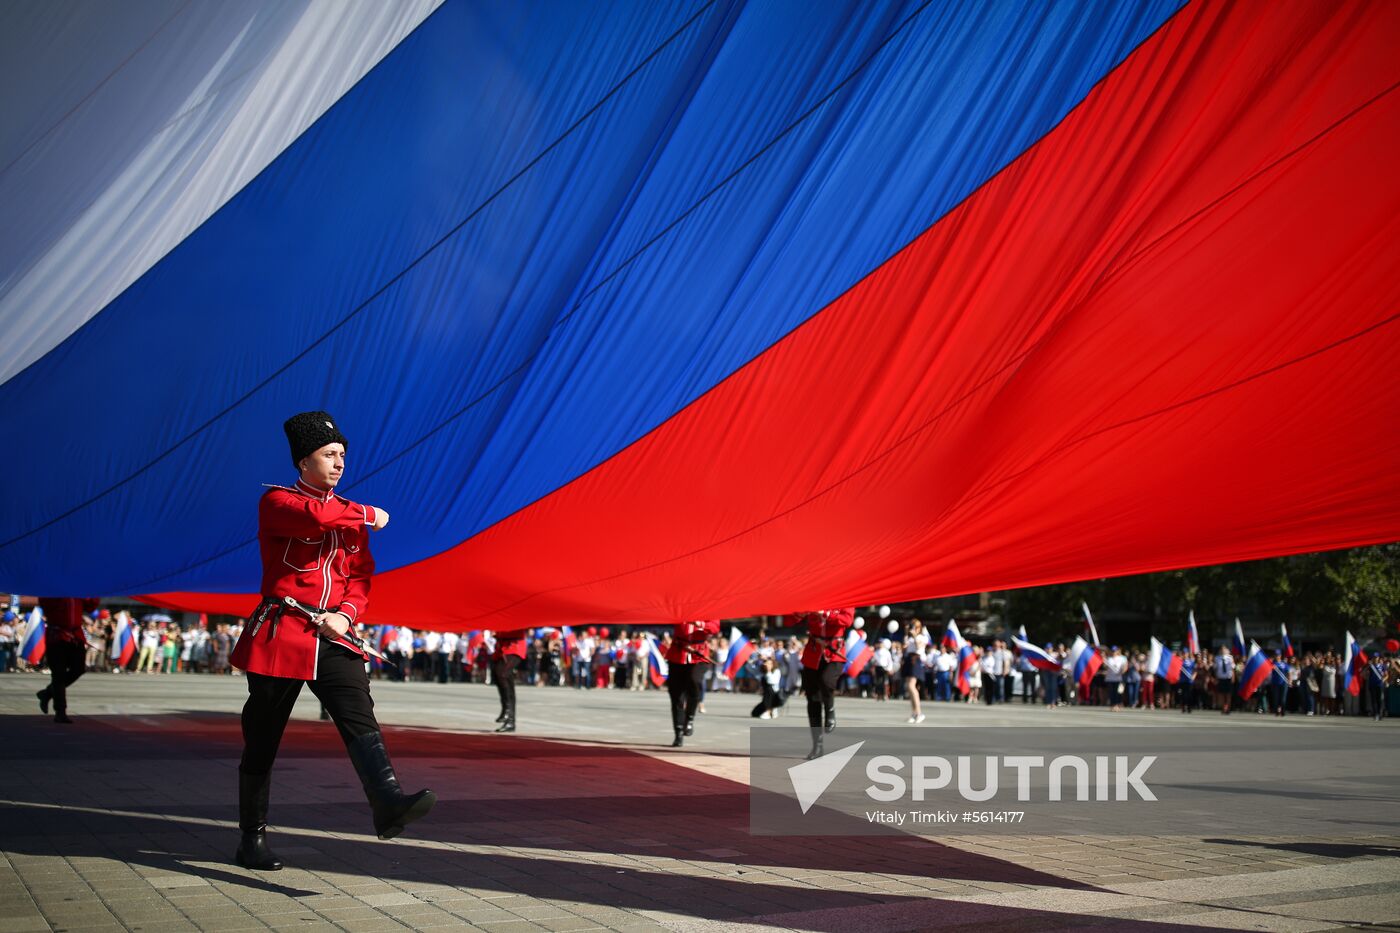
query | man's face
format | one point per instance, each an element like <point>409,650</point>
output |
<point>323,467</point>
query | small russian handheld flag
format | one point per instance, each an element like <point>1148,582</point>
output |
<point>1040,658</point>
<point>858,653</point>
<point>1257,670</point>
<point>1193,640</point>
<point>1353,661</point>
<point>740,650</point>
<point>123,641</point>
<point>658,670</point>
<point>1287,645</point>
<point>951,636</point>
<point>1237,646</point>
<point>1163,662</point>
<point>1084,662</point>
<point>32,645</point>
<point>1089,629</point>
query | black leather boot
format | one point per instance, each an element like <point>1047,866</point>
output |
<point>690,726</point>
<point>830,718</point>
<point>44,698</point>
<point>252,820</point>
<point>679,740</point>
<point>507,721</point>
<point>393,809</point>
<point>816,751</point>
<point>502,717</point>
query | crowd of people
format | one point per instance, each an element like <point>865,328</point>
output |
<point>911,667</point>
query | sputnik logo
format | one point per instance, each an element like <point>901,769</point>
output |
<point>811,778</point>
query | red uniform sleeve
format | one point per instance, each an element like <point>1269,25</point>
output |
<point>361,568</point>
<point>285,514</point>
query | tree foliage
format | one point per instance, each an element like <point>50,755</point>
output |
<point>1322,593</point>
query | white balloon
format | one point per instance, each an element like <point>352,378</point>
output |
<point>860,622</point>
<point>884,612</point>
<point>892,627</point>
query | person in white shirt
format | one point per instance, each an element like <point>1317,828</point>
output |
<point>1113,667</point>
<point>990,673</point>
<point>447,648</point>
<point>1225,678</point>
<point>943,667</point>
<point>882,665</point>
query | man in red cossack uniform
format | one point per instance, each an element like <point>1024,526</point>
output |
<point>506,656</point>
<point>315,548</point>
<point>823,662</point>
<point>687,661</point>
<point>65,649</point>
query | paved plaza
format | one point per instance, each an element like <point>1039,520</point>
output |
<point>584,819</point>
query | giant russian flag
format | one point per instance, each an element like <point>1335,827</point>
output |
<point>1257,670</point>
<point>654,231</point>
<point>1040,659</point>
<point>123,640</point>
<point>858,652</point>
<point>1084,663</point>
<point>740,650</point>
<point>1163,662</point>
<point>1353,662</point>
<point>31,646</point>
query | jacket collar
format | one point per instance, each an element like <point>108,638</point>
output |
<point>306,489</point>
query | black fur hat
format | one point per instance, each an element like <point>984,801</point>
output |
<point>309,431</point>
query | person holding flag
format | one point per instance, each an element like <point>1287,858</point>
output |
<point>1353,667</point>
<point>1186,689</point>
<point>1225,678</point>
<point>65,646</point>
<point>1042,660</point>
<point>823,661</point>
<point>687,661</point>
<point>315,584</point>
<point>506,656</point>
<point>1084,663</point>
<point>1279,682</point>
<point>1376,670</point>
<point>1256,672</point>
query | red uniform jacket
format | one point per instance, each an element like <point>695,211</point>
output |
<point>510,643</point>
<point>826,635</point>
<point>690,642</point>
<point>63,618</point>
<point>315,547</point>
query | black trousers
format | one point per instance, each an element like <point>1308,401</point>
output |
<point>820,687</point>
<point>684,683</point>
<point>341,685</point>
<point>503,673</point>
<point>66,664</point>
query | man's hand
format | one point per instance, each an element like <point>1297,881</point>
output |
<point>381,518</point>
<point>332,624</point>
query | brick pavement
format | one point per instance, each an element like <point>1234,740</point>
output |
<point>583,820</point>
